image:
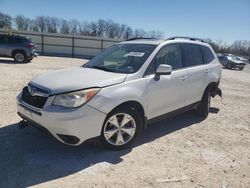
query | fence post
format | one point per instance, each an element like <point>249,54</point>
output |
<point>73,47</point>
<point>102,44</point>
<point>42,44</point>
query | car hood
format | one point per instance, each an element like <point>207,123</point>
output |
<point>237,61</point>
<point>77,78</point>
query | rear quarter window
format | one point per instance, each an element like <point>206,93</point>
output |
<point>208,54</point>
<point>16,40</point>
<point>192,55</point>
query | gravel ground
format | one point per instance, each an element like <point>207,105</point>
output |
<point>183,151</point>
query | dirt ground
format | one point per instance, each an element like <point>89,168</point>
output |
<point>183,151</point>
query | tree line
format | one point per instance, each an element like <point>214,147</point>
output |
<point>238,47</point>
<point>100,28</point>
<point>104,28</point>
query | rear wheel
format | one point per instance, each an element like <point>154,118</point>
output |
<point>19,57</point>
<point>121,128</point>
<point>204,106</point>
<point>229,66</point>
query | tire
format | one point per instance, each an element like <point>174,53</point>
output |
<point>204,106</point>
<point>241,68</point>
<point>20,57</point>
<point>229,66</point>
<point>117,135</point>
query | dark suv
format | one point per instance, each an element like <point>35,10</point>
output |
<point>20,48</point>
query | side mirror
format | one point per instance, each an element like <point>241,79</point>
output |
<point>164,69</point>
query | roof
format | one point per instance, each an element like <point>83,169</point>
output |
<point>144,41</point>
<point>155,41</point>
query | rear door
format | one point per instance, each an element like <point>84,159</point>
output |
<point>169,92</point>
<point>4,41</point>
<point>196,71</point>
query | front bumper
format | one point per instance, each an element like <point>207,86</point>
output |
<point>82,123</point>
<point>32,54</point>
<point>238,65</point>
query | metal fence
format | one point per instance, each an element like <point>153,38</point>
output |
<point>65,44</point>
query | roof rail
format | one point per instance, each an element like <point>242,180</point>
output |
<point>139,38</point>
<point>189,38</point>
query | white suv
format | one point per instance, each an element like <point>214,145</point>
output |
<point>117,93</point>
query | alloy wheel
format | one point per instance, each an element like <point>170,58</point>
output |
<point>119,129</point>
<point>19,57</point>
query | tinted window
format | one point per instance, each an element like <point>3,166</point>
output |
<point>192,55</point>
<point>170,55</point>
<point>15,40</point>
<point>4,39</point>
<point>208,55</point>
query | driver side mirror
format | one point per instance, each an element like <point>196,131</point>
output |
<point>163,69</point>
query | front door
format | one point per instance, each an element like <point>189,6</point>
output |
<point>169,92</point>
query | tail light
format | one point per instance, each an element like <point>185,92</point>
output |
<point>30,45</point>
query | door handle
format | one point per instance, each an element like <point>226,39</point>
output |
<point>183,78</point>
<point>206,70</point>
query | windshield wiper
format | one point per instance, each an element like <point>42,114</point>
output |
<point>100,68</point>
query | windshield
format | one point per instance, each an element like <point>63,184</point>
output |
<point>233,58</point>
<point>121,58</point>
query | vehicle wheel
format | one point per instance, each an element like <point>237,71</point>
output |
<point>20,57</point>
<point>241,68</point>
<point>203,108</point>
<point>121,128</point>
<point>229,66</point>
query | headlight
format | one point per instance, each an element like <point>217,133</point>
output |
<point>75,99</point>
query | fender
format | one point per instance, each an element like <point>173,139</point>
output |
<point>110,97</point>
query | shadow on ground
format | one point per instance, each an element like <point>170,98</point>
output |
<point>29,157</point>
<point>10,61</point>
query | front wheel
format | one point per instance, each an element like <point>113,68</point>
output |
<point>204,106</point>
<point>241,68</point>
<point>229,66</point>
<point>20,57</point>
<point>121,128</point>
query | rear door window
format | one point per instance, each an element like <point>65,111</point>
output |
<point>192,55</point>
<point>207,54</point>
<point>15,40</point>
<point>4,39</point>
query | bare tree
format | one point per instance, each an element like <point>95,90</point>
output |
<point>120,30</point>
<point>128,33</point>
<point>140,33</point>
<point>52,24</point>
<point>22,23</point>
<point>40,23</point>
<point>93,28</point>
<point>101,26</point>
<point>74,26</point>
<point>5,21</point>
<point>155,34</point>
<point>84,28</point>
<point>112,29</point>
<point>33,26</point>
<point>64,27</point>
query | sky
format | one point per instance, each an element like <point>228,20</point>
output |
<point>226,20</point>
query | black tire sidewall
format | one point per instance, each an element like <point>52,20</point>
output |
<point>25,58</point>
<point>229,66</point>
<point>132,112</point>
<point>203,108</point>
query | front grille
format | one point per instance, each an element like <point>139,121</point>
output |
<point>36,101</point>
